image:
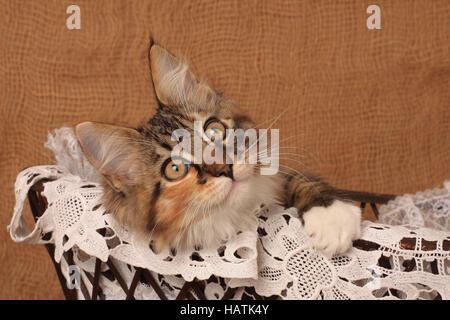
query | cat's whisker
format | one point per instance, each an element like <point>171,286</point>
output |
<point>264,154</point>
<point>305,152</point>
<point>192,215</point>
<point>286,173</point>
<point>290,168</point>
<point>302,176</point>
<point>267,129</point>
<point>181,212</point>
<point>151,233</point>
<point>289,159</point>
<point>280,155</point>
<point>291,137</point>
<point>182,229</point>
<point>207,215</point>
<point>257,126</point>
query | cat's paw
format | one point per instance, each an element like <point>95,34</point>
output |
<point>333,228</point>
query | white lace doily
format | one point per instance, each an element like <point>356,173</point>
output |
<point>75,217</point>
<point>430,208</point>
<point>388,262</point>
<point>380,265</point>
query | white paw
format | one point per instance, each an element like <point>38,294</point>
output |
<point>333,229</point>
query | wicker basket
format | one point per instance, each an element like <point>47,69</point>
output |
<point>192,290</point>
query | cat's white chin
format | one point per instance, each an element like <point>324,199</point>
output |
<point>235,213</point>
<point>236,190</point>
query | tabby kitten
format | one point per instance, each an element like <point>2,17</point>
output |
<point>183,204</point>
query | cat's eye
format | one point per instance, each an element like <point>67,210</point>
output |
<point>213,128</point>
<point>175,169</point>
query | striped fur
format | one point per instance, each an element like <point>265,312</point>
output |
<point>203,208</point>
<point>304,191</point>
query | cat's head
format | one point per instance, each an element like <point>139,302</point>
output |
<point>177,202</point>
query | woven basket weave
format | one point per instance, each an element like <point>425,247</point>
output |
<point>192,290</point>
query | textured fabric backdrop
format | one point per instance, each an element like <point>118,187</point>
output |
<point>367,109</point>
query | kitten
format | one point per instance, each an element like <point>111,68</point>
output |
<point>183,204</point>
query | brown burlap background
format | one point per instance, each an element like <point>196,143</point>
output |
<point>368,109</point>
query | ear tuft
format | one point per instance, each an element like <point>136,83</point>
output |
<point>113,150</point>
<point>172,79</point>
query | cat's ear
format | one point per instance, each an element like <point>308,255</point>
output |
<point>113,151</point>
<point>173,81</point>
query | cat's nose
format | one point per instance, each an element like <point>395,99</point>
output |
<point>226,170</point>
